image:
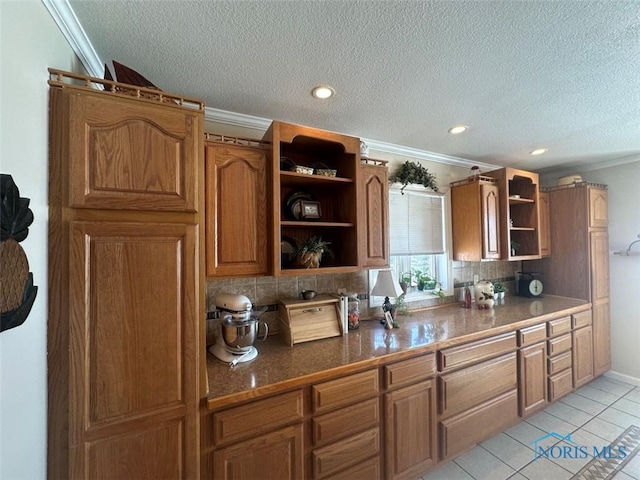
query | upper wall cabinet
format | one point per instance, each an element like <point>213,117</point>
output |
<point>476,219</point>
<point>312,202</point>
<point>374,215</point>
<point>128,153</point>
<point>519,219</point>
<point>236,208</point>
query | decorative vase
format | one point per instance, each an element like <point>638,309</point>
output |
<point>484,294</point>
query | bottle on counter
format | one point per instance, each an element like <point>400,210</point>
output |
<point>353,312</point>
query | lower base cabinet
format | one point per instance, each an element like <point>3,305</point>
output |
<point>532,375</point>
<point>582,356</point>
<point>410,444</point>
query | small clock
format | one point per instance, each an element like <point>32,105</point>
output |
<point>528,285</point>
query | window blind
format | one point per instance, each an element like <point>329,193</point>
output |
<point>416,223</point>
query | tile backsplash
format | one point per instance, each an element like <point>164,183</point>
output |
<point>268,290</point>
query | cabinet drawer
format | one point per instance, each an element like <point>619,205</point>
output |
<point>474,352</point>
<point>559,326</point>
<point>367,470</point>
<point>559,363</point>
<point>344,391</point>
<point>559,344</point>
<point>471,386</point>
<point>347,452</point>
<point>464,430</point>
<point>256,417</point>
<point>560,384</point>
<point>530,335</point>
<point>409,371</point>
<point>333,426</point>
<point>582,319</point>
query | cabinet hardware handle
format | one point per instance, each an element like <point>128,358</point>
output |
<point>312,310</point>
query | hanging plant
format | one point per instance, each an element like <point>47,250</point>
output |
<point>415,174</point>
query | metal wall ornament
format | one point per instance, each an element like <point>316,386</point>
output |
<point>17,291</point>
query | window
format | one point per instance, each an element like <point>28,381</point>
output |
<point>419,252</point>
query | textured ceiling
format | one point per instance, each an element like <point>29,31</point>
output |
<point>564,75</point>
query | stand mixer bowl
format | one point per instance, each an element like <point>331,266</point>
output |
<point>240,333</point>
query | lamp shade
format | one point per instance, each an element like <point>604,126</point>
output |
<point>386,285</point>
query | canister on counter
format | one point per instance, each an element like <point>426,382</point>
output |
<point>353,315</point>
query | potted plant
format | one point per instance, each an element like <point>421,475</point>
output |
<point>405,281</point>
<point>514,247</point>
<point>311,252</point>
<point>414,173</point>
<point>499,289</point>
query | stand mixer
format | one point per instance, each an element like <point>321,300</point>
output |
<point>237,331</point>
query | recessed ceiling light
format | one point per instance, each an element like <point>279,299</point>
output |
<point>538,151</point>
<point>457,129</point>
<point>322,92</point>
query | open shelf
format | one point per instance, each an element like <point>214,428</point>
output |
<point>296,223</point>
<point>522,229</point>
<point>302,179</point>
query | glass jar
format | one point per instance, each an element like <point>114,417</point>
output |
<point>353,312</point>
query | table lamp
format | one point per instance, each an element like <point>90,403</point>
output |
<point>386,286</point>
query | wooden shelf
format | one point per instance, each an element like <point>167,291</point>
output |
<point>301,179</point>
<point>296,223</point>
<point>522,229</point>
<point>516,201</point>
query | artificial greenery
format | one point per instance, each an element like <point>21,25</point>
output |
<point>499,287</point>
<point>311,252</point>
<point>415,174</point>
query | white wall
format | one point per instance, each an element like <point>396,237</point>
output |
<point>624,227</point>
<point>30,42</point>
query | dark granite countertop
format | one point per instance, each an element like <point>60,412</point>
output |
<point>279,367</point>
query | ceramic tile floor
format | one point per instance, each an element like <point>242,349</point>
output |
<point>595,415</point>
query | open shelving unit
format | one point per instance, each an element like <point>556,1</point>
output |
<point>519,213</point>
<point>337,196</point>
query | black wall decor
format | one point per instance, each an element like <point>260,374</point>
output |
<point>17,291</point>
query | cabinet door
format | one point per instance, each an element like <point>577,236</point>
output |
<point>374,240</point>
<point>532,377</point>
<point>490,221</point>
<point>599,267</point>
<point>410,442</point>
<point>278,455</point>
<point>236,211</point>
<point>601,338</point>
<point>132,155</point>
<point>582,356</point>
<point>133,350</point>
<point>545,228</point>
<point>598,210</point>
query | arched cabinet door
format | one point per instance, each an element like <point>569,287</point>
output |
<point>374,185</point>
<point>131,155</point>
<point>236,210</point>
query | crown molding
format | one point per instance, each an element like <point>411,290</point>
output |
<point>66,19</point>
<point>591,166</point>
<point>236,119</point>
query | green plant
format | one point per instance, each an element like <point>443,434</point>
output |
<point>499,287</point>
<point>437,291</point>
<point>514,246</point>
<point>415,174</point>
<point>311,252</point>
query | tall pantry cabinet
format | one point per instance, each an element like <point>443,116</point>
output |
<point>125,284</point>
<point>579,266</point>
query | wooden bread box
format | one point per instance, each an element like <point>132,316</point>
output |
<point>307,320</point>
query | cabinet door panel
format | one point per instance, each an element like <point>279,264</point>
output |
<point>236,211</point>
<point>132,155</point>
<point>134,303</point>
<point>532,366</point>
<point>490,221</point>
<point>410,430</point>
<point>279,453</point>
<point>599,267</point>
<point>598,214</point>
<point>374,248</point>
<point>545,227</point>
<point>601,338</point>
<point>582,356</point>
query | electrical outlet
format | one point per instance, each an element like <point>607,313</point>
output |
<point>476,278</point>
<point>342,291</point>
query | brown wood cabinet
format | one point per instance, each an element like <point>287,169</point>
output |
<point>475,207</point>
<point>582,356</point>
<point>532,378</point>
<point>580,264</point>
<point>125,290</point>
<point>338,196</point>
<point>374,215</point>
<point>237,227</point>
<point>545,229</point>
<point>519,217</point>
